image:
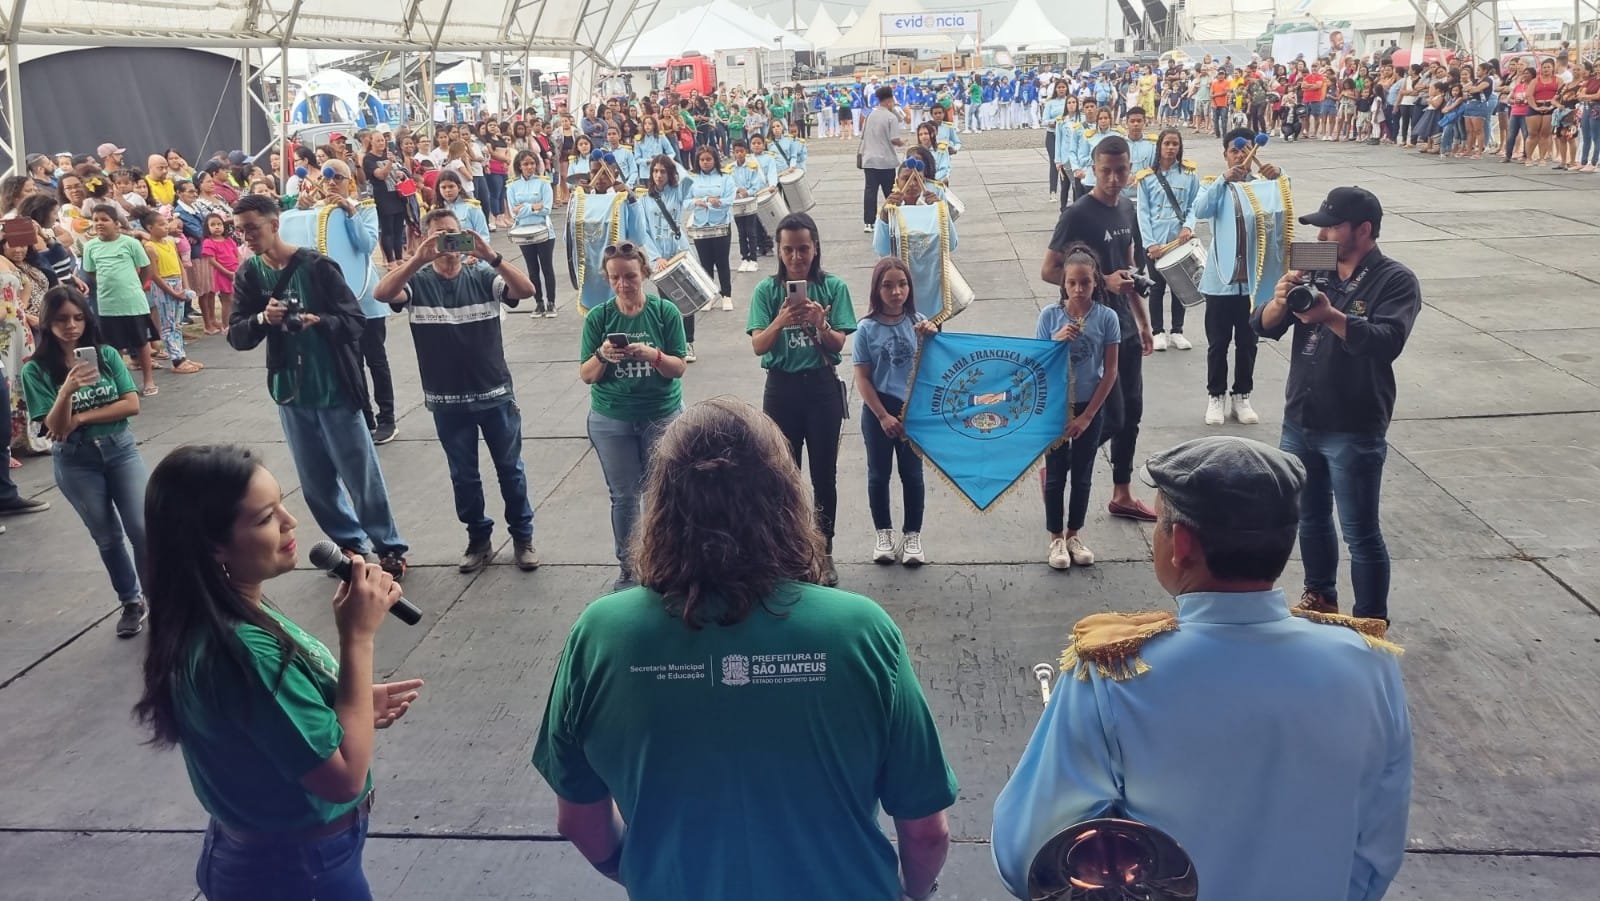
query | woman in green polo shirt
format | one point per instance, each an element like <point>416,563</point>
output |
<point>276,733</point>
<point>800,343</point>
<point>632,350</point>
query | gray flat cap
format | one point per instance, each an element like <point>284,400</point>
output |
<point>1226,482</point>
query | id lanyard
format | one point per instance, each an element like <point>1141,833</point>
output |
<point>1314,337</point>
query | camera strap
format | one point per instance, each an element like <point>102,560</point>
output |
<point>286,273</point>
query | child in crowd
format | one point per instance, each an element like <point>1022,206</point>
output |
<point>224,256</point>
<point>168,290</point>
<point>885,345</point>
<point>116,262</point>
<point>1093,335</point>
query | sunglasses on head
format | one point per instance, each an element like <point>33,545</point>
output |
<point>625,249</point>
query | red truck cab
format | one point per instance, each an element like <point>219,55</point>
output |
<point>692,72</point>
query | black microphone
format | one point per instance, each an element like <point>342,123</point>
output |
<point>326,555</point>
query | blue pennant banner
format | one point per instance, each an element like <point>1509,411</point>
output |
<point>984,408</point>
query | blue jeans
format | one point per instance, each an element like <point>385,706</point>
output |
<point>333,454</point>
<point>1589,128</point>
<point>1346,469</point>
<point>624,449</point>
<point>103,479</point>
<point>883,453</point>
<point>8,488</point>
<point>327,869</point>
<point>502,434</point>
<point>1518,127</point>
<point>494,202</point>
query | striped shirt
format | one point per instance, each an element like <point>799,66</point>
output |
<point>455,326</point>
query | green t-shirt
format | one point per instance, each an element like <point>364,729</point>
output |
<point>795,350</point>
<point>39,391</point>
<point>248,738</point>
<point>118,282</point>
<point>748,761</point>
<point>634,390</point>
<point>308,378</point>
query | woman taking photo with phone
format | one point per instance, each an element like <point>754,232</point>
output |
<point>799,322</point>
<point>81,392</point>
<point>276,733</point>
<point>632,351</point>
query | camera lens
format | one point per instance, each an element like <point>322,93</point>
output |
<point>1300,299</point>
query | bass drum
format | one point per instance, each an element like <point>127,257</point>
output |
<point>771,209</point>
<point>796,192</point>
<point>961,293</point>
<point>685,284</point>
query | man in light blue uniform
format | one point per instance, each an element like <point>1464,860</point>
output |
<point>1274,747</point>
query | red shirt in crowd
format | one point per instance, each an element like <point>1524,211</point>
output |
<point>1314,85</point>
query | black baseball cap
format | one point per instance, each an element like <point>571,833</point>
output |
<point>1351,204</point>
<point>1226,482</point>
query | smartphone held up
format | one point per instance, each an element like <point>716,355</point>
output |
<point>455,242</point>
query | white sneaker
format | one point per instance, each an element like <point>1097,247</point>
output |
<point>1216,411</point>
<point>1160,341</point>
<point>727,305</point>
<point>1242,410</point>
<point>911,553</point>
<point>1178,341</point>
<point>883,550</point>
<point>1059,557</point>
<point>866,229</point>
<point>688,355</point>
<point>1080,555</point>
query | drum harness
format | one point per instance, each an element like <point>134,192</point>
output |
<point>677,235</point>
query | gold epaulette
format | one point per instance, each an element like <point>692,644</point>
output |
<point>728,169</point>
<point>1372,631</point>
<point>943,146</point>
<point>1109,643</point>
<point>1189,166</point>
<point>1206,180</point>
<point>752,164</point>
<point>1089,133</point>
<point>641,190</point>
<point>1142,173</point>
<point>627,147</point>
<point>368,202</point>
<point>473,202</point>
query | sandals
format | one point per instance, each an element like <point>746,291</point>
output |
<point>150,391</point>
<point>188,367</point>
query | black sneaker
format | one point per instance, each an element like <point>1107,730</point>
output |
<point>394,565</point>
<point>23,505</point>
<point>384,433</point>
<point>476,557</point>
<point>131,622</point>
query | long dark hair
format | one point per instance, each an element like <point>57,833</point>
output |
<point>190,505</point>
<point>57,360</point>
<point>725,516</point>
<point>883,268</point>
<point>1177,163</point>
<point>796,222</point>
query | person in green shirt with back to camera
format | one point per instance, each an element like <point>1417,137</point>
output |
<point>633,350</point>
<point>277,735</point>
<point>730,729</point>
<point>800,334</point>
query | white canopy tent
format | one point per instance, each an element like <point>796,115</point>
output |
<point>865,36</point>
<point>1231,20</point>
<point>579,29</point>
<point>1028,28</point>
<point>850,18</point>
<point>720,25</point>
<point>822,31</point>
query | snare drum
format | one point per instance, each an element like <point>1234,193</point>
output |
<point>702,232</point>
<point>744,206</point>
<point>530,234</point>
<point>954,204</point>
<point>796,193</point>
<point>1182,266</point>
<point>771,209</point>
<point>685,284</point>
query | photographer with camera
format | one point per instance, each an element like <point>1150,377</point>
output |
<point>298,301</point>
<point>1340,395</point>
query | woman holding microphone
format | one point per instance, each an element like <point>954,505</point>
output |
<point>276,733</point>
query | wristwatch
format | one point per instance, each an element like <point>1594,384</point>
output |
<point>498,259</point>
<point>261,318</point>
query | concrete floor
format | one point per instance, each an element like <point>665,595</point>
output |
<point>1490,511</point>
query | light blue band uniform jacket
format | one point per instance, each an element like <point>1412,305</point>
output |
<point>470,214</point>
<point>1159,223</point>
<point>659,241</point>
<point>524,193</point>
<point>705,186</point>
<point>349,240</point>
<point>1224,207</point>
<point>1274,749</point>
<point>791,147</point>
<point>598,214</point>
<point>920,246</point>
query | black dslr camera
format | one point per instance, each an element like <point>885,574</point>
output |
<point>1318,259</point>
<point>1141,283</point>
<point>292,322</point>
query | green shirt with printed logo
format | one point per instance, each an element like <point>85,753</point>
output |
<point>253,724</point>
<point>749,760</point>
<point>634,390</point>
<point>796,350</point>
<point>39,391</point>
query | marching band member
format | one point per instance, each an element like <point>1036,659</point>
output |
<point>1069,135</point>
<point>651,144</point>
<point>1083,162</point>
<point>710,194</point>
<point>452,193</point>
<point>926,134</point>
<point>914,224</point>
<point>768,162</point>
<point>578,161</point>
<point>660,212</point>
<point>530,197</point>
<point>627,163</point>
<point>1027,105</point>
<point>947,130</point>
<point>1167,192</point>
<point>791,150</point>
<point>1055,110</point>
<point>1141,149</point>
<point>748,180</point>
<point>1229,281</point>
<point>602,214</point>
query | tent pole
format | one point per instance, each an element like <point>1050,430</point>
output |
<point>19,153</point>
<point>405,120</point>
<point>284,109</point>
<point>244,101</point>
